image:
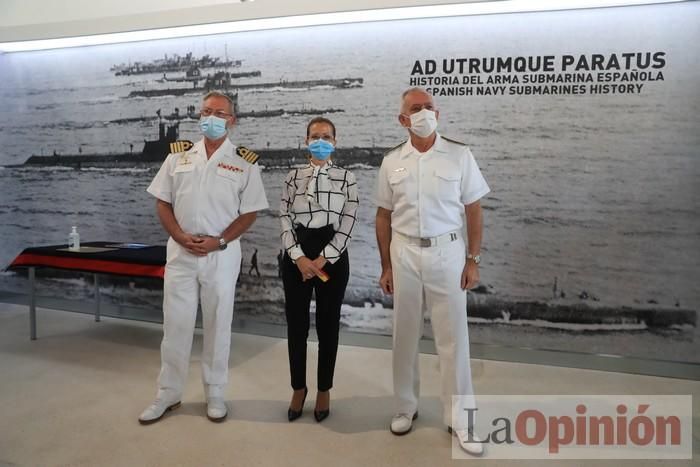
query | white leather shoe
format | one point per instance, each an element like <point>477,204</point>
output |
<point>216,409</point>
<point>155,411</point>
<point>402,423</point>
<point>469,442</point>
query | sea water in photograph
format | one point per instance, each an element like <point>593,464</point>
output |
<point>592,228</point>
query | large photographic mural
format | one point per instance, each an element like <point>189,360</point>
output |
<point>584,123</point>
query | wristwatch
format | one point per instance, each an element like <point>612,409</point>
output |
<point>475,258</point>
<point>222,243</point>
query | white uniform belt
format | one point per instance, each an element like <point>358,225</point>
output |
<point>429,241</point>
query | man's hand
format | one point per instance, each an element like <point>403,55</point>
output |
<point>197,246</point>
<point>307,268</point>
<point>209,244</point>
<point>470,275</point>
<point>383,229</point>
<point>386,281</point>
<point>191,243</point>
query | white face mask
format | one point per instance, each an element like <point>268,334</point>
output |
<point>423,123</point>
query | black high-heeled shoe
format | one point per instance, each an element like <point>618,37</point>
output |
<point>321,415</point>
<point>294,414</point>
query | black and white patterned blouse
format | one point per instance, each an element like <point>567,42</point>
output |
<point>314,197</point>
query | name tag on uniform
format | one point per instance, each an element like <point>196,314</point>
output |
<point>183,168</point>
<point>184,164</point>
<point>185,159</point>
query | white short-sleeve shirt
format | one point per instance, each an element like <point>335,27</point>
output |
<point>427,192</point>
<point>207,195</point>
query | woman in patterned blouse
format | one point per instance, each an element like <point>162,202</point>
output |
<point>317,212</point>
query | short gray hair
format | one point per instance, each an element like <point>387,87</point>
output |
<point>211,94</point>
<point>413,89</point>
<point>410,90</point>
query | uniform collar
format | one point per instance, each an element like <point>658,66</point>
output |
<point>226,148</point>
<point>439,146</point>
<point>198,148</point>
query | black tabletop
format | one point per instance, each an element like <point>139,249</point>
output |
<point>151,254</point>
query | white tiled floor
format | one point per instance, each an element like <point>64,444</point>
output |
<point>73,397</point>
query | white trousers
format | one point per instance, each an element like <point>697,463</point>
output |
<point>189,279</point>
<point>429,279</point>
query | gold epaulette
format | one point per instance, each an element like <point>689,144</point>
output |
<point>453,141</point>
<point>394,148</point>
<point>180,146</point>
<point>247,155</point>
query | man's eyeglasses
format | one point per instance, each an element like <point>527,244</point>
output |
<point>217,113</point>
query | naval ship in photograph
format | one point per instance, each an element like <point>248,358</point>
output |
<point>224,80</point>
<point>173,63</point>
<point>192,114</point>
<point>154,152</point>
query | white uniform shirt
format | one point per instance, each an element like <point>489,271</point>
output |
<point>207,195</point>
<point>427,191</point>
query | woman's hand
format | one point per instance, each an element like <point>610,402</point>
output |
<point>320,262</point>
<point>307,268</point>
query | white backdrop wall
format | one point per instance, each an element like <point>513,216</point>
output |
<point>592,236</point>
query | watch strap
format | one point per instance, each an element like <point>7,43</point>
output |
<point>475,258</point>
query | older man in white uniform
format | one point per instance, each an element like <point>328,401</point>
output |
<point>207,197</point>
<point>425,188</point>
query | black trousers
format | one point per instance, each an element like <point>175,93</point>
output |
<point>329,298</point>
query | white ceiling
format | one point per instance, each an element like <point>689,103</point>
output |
<point>44,19</point>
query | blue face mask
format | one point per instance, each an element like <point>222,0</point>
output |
<point>321,149</point>
<point>212,127</point>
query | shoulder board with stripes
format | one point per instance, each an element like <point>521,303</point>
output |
<point>453,141</point>
<point>247,154</point>
<point>394,148</point>
<point>180,146</point>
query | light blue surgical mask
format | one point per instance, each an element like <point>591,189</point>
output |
<point>321,149</point>
<point>212,127</point>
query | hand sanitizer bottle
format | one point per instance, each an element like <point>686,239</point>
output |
<point>74,239</point>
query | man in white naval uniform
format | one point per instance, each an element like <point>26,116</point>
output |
<point>207,197</point>
<point>425,188</point>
